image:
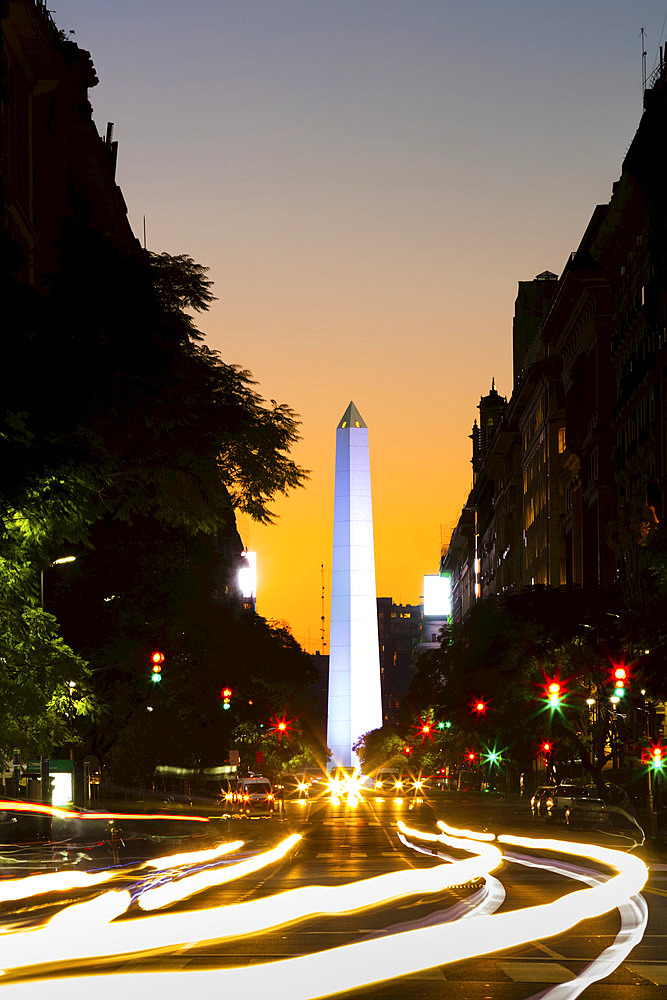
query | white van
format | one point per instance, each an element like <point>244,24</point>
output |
<point>256,797</point>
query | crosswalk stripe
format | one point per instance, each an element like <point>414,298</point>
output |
<point>536,972</point>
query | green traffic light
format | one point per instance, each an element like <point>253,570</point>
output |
<point>156,678</point>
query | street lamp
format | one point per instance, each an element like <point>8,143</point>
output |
<point>70,689</point>
<point>56,562</point>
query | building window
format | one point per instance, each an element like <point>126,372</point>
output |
<point>561,440</point>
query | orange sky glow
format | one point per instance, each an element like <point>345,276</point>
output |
<point>367,181</point>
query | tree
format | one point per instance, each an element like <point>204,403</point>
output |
<point>503,656</point>
<point>143,454</point>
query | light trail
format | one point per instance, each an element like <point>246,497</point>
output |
<point>42,809</point>
<point>37,885</point>
<point>364,963</point>
<point>220,923</point>
<point>193,857</point>
<point>189,885</point>
<point>634,916</point>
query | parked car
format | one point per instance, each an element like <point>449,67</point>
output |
<point>469,781</point>
<point>584,811</point>
<point>256,797</point>
<point>561,798</point>
<point>538,800</point>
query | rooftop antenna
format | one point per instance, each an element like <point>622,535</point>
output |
<point>322,617</point>
<point>643,34</point>
<point>144,232</point>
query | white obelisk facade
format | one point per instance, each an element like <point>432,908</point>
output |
<point>355,698</point>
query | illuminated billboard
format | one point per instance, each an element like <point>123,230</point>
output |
<point>248,575</point>
<point>437,596</point>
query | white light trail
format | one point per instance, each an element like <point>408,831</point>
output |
<point>194,857</point>
<point>351,966</point>
<point>218,923</point>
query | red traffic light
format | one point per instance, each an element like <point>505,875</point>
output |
<point>426,728</point>
<point>620,677</point>
<point>157,659</point>
<point>546,747</point>
<point>226,692</point>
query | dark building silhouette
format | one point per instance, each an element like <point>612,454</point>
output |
<point>56,168</point>
<point>569,476</point>
<point>399,631</point>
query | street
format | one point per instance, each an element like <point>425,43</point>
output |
<point>371,930</point>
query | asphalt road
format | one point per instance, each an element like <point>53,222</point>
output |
<point>342,844</point>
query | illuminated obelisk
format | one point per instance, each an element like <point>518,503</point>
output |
<point>355,699</point>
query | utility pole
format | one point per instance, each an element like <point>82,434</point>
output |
<point>643,34</point>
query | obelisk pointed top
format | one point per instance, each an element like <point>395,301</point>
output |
<point>351,418</point>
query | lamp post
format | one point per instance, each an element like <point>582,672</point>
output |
<point>70,688</point>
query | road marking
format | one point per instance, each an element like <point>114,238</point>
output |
<point>324,855</point>
<point>358,854</point>
<point>536,972</point>
<point>655,972</point>
<point>656,892</point>
<point>550,952</point>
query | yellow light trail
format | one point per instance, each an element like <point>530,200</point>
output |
<point>194,857</point>
<point>364,963</point>
<point>154,899</point>
<point>218,923</point>
<point>42,809</point>
<point>37,885</point>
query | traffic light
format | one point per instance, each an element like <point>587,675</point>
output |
<point>407,750</point>
<point>620,677</point>
<point>226,698</point>
<point>554,693</point>
<point>426,728</point>
<point>471,756</point>
<point>657,759</point>
<point>546,748</point>
<point>157,659</point>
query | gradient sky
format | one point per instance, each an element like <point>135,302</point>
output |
<point>367,181</point>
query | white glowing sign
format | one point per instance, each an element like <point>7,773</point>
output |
<point>248,575</point>
<point>437,596</point>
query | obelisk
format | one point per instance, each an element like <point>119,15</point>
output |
<point>355,698</point>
